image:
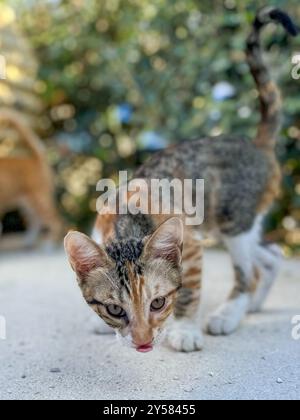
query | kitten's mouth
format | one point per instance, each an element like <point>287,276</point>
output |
<point>145,348</point>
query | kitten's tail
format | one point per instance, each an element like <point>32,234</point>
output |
<point>269,94</point>
<point>27,135</point>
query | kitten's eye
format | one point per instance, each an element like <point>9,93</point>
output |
<point>116,311</point>
<point>158,304</point>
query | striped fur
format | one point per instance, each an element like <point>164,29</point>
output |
<point>130,273</point>
<point>140,259</point>
<point>269,94</point>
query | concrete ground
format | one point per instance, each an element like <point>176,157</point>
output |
<point>51,352</point>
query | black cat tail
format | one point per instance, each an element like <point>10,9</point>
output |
<point>269,94</point>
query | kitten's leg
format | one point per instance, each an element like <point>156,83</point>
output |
<point>228,317</point>
<point>184,333</point>
<point>268,260</point>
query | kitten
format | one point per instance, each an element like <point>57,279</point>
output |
<point>142,270</point>
<point>26,184</point>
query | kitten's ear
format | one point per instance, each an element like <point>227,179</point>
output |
<point>166,242</point>
<point>84,254</point>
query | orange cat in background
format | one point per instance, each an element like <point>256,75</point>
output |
<point>26,184</point>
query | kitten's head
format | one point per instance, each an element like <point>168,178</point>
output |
<point>132,285</point>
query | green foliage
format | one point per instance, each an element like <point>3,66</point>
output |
<point>163,58</point>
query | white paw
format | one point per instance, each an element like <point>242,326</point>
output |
<point>98,326</point>
<point>185,336</point>
<point>228,317</point>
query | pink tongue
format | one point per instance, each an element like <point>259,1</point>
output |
<point>144,349</point>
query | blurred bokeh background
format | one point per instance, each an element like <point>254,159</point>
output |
<point>105,83</point>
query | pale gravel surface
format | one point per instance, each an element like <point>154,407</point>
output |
<point>51,353</point>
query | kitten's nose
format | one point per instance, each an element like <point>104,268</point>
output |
<point>142,337</point>
<point>144,348</point>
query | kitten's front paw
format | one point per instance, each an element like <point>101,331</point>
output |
<point>185,336</point>
<point>228,317</point>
